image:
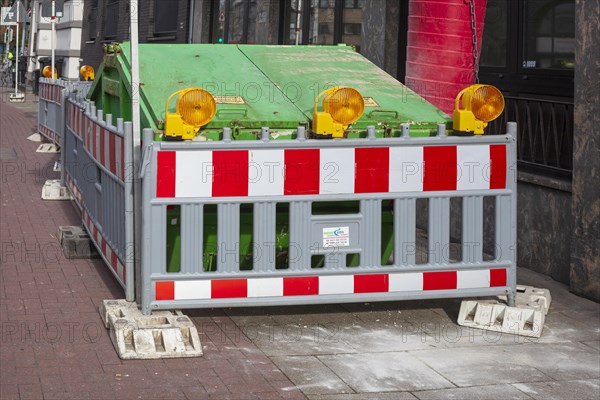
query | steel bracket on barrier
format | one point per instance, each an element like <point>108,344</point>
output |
<point>147,154</point>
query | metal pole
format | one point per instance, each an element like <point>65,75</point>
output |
<point>17,53</point>
<point>191,21</point>
<point>32,59</point>
<point>127,130</point>
<point>24,30</point>
<point>298,19</point>
<point>52,40</point>
<point>134,151</point>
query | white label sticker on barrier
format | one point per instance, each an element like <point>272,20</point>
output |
<point>336,236</point>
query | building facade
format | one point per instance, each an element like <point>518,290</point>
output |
<point>67,39</point>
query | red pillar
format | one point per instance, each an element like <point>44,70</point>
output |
<point>439,54</point>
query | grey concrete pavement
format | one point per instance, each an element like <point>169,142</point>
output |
<point>414,349</point>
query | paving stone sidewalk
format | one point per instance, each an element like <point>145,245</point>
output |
<point>53,343</point>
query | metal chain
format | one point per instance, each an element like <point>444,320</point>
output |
<point>474,41</point>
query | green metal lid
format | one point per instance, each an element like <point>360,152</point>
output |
<point>256,85</point>
<point>304,71</point>
<point>245,96</point>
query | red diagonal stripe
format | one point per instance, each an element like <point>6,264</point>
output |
<point>372,170</point>
<point>498,167</point>
<point>301,171</point>
<point>113,260</point>
<point>373,283</point>
<point>103,133</point>
<point>440,168</point>
<point>165,290</point>
<point>94,139</point>
<point>165,179</point>
<point>230,173</point>
<point>497,277</point>
<point>111,149</point>
<point>301,286</point>
<point>228,288</point>
<point>122,161</point>
<point>439,280</point>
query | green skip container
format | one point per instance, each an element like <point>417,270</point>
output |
<point>257,86</point>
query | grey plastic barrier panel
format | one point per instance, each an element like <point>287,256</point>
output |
<point>195,286</point>
<point>50,110</point>
<point>94,168</point>
<point>52,106</point>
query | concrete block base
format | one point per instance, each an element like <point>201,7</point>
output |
<point>36,137</point>
<point>76,243</point>
<point>531,297</point>
<point>48,148</point>
<point>525,319</point>
<point>499,317</point>
<point>16,97</point>
<point>163,334</point>
<point>53,190</point>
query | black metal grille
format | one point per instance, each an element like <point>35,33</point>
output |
<point>545,134</point>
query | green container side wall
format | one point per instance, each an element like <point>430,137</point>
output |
<point>111,91</point>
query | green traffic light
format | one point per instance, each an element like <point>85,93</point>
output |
<point>220,40</point>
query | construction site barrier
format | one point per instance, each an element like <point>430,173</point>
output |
<point>96,166</point>
<point>51,109</point>
<point>328,221</point>
<point>51,106</point>
<point>334,256</point>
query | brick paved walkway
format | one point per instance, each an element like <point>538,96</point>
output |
<point>53,344</point>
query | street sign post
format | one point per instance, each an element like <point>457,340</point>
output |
<point>4,13</point>
<point>16,14</point>
<point>52,9</point>
<point>46,8</point>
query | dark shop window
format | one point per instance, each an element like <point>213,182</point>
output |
<point>111,19</point>
<point>234,21</point>
<point>165,17</point>
<point>495,39</point>
<point>323,22</point>
<point>324,3</point>
<point>528,53</point>
<point>352,23</point>
<point>549,34</point>
<point>352,29</point>
<point>322,18</point>
<point>354,3</point>
<point>92,15</point>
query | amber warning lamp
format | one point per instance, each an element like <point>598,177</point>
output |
<point>475,107</point>
<point>342,106</point>
<point>194,108</point>
<point>87,72</point>
<point>47,72</point>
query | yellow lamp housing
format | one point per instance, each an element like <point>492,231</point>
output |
<point>87,72</point>
<point>194,108</point>
<point>342,106</point>
<point>480,105</point>
<point>47,72</point>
